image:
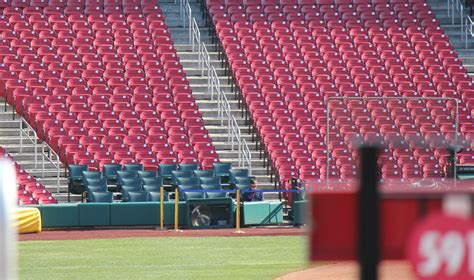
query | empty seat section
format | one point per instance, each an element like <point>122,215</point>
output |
<point>292,60</point>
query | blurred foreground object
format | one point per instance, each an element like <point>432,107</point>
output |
<point>8,256</point>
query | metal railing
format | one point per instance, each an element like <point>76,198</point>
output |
<point>195,39</point>
<point>469,30</point>
<point>50,155</point>
<point>456,9</point>
<point>47,153</point>
<point>30,133</point>
<point>328,119</point>
<point>214,86</point>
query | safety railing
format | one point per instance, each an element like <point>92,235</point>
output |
<point>47,153</point>
<point>246,156</point>
<point>204,60</point>
<point>469,30</point>
<point>27,131</point>
<point>456,10</point>
<point>328,120</point>
<point>234,136</point>
<point>50,155</point>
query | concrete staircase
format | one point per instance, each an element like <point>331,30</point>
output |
<point>453,31</point>
<point>199,85</point>
<point>10,140</point>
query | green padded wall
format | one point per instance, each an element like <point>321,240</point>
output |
<point>145,213</point>
<point>59,215</point>
<point>255,213</point>
<point>299,212</point>
<point>275,212</point>
<point>94,214</point>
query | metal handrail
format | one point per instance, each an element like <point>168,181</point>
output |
<point>50,155</point>
<point>196,39</point>
<point>234,135</point>
<point>468,30</point>
<point>32,137</point>
<point>456,120</point>
<point>56,162</point>
<point>205,60</point>
<point>456,5</point>
<point>246,156</point>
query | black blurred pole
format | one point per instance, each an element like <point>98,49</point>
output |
<point>368,200</point>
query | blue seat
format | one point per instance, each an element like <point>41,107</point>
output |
<point>165,171</point>
<point>203,173</point>
<point>101,197</point>
<point>137,196</point>
<point>129,182</point>
<point>216,195</point>
<point>133,167</point>
<point>211,187</point>
<point>127,189</point>
<point>183,188</point>
<point>210,180</point>
<point>151,188</point>
<point>242,181</point>
<point>75,178</point>
<point>125,174</point>
<point>188,166</point>
<point>179,174</point>
<point>193,195</point>
<point>193,181</point>
<point>147,174</point>
<point>221,169</point>
<point>92,189</point>
<point>92,174</point>
<point>110,172</point>
<point>237,173</point>
<point>95,182</point>
<point>155,196</point>
<point>157,181</point>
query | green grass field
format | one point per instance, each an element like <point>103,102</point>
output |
<point>163,258</point>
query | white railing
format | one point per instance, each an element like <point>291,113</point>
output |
<point>246,156</point>
<point>328,120</point>
<point>204,60</point>
<point>233,135</point>
<point>214,86</point>
<point>30,133</point>
<point>456,9</point>
<point>50,155</point>
<point>469,30</point>
<point>47,153</point>
<point>196,38</point>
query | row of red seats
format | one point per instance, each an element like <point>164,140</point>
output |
<point>28,189</point>
<point>103,88</point>
<point>290,59</point>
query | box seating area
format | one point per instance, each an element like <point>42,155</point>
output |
<point>137,185</point>
<point>101,83</point>
<point>288,57</point>
<point>29,191</point>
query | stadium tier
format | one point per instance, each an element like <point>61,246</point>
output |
<point>29,190</point>
<point>100,82</point>
<point>291,58</point>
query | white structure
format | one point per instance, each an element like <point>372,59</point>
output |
<point>8,233</point>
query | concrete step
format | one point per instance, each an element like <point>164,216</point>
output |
<point>186,47</point>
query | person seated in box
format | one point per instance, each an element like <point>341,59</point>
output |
<point>251,194</point>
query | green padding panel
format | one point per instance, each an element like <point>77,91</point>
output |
<point>94,214</point>
<point>299,212</point>
<point>59,215</point>
<point>276,212</point>
<point>145,213</point>
<point>169,213</point>
<point>134,213</point>
<point>465,176</point>
<point>255,213</point>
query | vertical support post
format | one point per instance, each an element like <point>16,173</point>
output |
<point>21,135</point>
<point>368,214</point>
<point>327,139</point>
<point>237,213</point>
<point>176,209</point>
<point>162,198</point>
<point>456,128</point>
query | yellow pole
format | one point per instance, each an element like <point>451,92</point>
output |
<point>176,206</point>
<point>237,213</point>
<point>162,204</point>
